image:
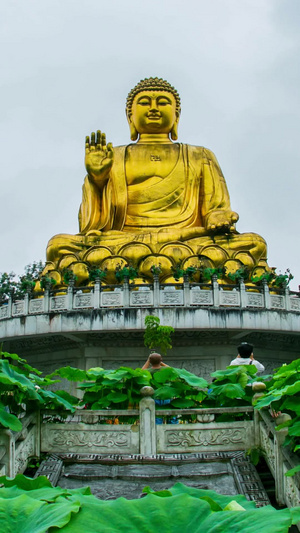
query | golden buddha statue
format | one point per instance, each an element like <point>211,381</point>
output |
<point>154,201</point>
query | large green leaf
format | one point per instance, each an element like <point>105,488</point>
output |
<point>231,390</point>
<point>165,393</point>
<point>149,514</point>
<point>183,403</point>
<point>8,420</point>
<point>70,373</point>
<point>10,376</point>
<point>26,515</point>
<point>164,375</point>
<point>117,397</point>
<point>25,483</point>
<point>191,379</point>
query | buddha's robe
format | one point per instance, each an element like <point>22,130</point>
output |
<point>173,208</point>
<point>183,199</point>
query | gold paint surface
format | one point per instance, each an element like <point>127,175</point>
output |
<point>155,196</point>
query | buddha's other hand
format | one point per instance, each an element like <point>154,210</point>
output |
<point>221,221</point>
<point>98,156</point>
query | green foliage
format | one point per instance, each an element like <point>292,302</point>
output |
<point>114,388</point>
<point>156,270</point>
<point>242,273</point>
<point>231,387</point>
<point>157,336</point>
<point>179,272</point>
<point>127,271</point>
<point>182,387</point>
<point>30,507</point>
<point>22,389</point>
<point>47,282</point>
<point>283,394</point>
<point>9,284</point>
<point>69,277</point>
<point>207,274</point>
<point>278,281</point>
<point>97,273</point>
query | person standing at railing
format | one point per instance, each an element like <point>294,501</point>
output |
<point>245,357</point>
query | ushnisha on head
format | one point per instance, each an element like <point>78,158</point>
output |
<point>153,107</point>
<point>245,349</point>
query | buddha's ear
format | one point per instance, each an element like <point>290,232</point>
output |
<point>133,131</point>
<point>174,130</point>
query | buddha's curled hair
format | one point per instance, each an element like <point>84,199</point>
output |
<point>152,84</point>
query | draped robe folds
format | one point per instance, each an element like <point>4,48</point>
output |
<point>172,208</point>
<point>184,198</point>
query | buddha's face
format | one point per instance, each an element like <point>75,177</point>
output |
<point>154,112</point>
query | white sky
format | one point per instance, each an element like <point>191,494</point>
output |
<point>66,69</point>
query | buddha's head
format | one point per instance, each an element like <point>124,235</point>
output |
<point>153,107</point>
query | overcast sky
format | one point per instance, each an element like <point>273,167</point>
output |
<point>67,67</point>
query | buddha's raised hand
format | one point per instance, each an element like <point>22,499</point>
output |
<point>98,156</point>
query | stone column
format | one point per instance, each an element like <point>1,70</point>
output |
<point>279,437</point>
<point>26,303</point>
<point>243,295</point>
<point>147,423</point>
<point>70,296</point>
<point>186,291</point>
<point>126,295</point>
<point>97,291</point>
<point>266,294</point>
<point>155,290</point>
<point>287,299</point>
<point>215,288</point>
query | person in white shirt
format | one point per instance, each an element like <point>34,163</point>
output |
<point>245,357</point>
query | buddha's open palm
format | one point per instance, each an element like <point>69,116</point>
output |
<point>98,156</point>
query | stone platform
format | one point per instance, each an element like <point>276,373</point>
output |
<point>113,476</point>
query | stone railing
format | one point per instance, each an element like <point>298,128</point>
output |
<point>279,460</point>
<point>17,447</point>
<point>151,431</point>
<point>155,295</point>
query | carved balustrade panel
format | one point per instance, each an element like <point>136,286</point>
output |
<point>268,446</point>
<point>190,438</point>
<point>277,301</point>
<point>89,438</point>
<point>201,297</point>
<point>18,308</point>
<point>24,449</point>
<point>141,298</point>
<point>255,299</point>
<point>112,299</point>
<point>36,306</point>
<point>295,304</point>
<point>171,297</point>
<point>230,298</point>
<point>58,303</point>
<point>4,311</point>
<point>291,488</point>
<point>83,301</point>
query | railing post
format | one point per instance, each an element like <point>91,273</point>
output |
<point>287,299</point>
<point>279,437</point>
<point>147,423</point>
<point>155,290</point>
<point>186,291</point>
<point>70,297</point>
<point>215,288</point>
<point>26,303</point>
<point>46,301</point>
<point>243,294</point>
<point>9,305</point>
<point>97,289</point>
<point>266,294</point>
<point>126,295</point>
